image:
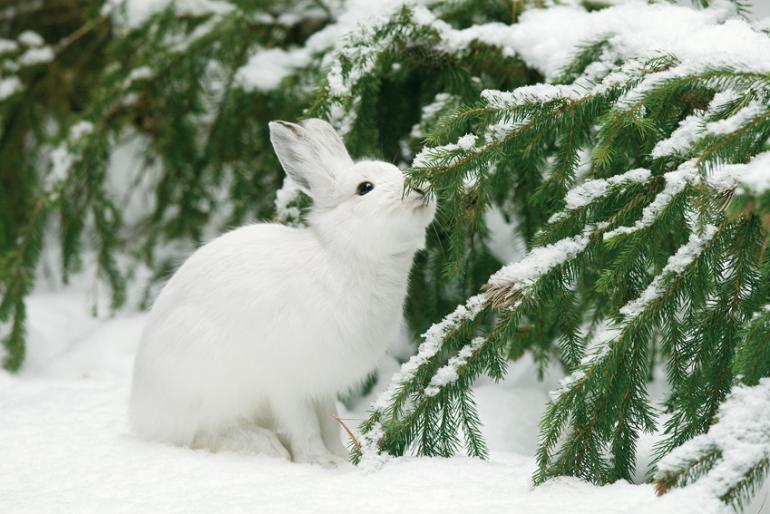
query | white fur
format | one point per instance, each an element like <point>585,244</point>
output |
<point>250,341</point>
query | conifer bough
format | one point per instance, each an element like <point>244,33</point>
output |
<point>659,248</point>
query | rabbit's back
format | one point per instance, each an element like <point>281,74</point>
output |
<point>239,270</point>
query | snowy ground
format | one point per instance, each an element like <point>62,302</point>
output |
<point>66,447</point>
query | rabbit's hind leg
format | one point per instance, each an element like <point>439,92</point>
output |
<point>245,438</point>
<point>298,425</point>
<point>326,409</point>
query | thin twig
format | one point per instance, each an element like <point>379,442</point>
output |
<point>350,434</point>
<point>83,30</point>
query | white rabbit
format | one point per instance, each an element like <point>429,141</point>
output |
<point>248,344</point>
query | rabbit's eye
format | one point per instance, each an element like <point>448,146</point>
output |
<point>364,187</point>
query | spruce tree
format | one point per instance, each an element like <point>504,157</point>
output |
<point>637,174</point>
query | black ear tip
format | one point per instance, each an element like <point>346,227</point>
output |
<point>285,124</point>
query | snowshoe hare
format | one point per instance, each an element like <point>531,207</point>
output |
<point>249,342</point>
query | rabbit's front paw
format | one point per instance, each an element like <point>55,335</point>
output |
<point>326,459</point>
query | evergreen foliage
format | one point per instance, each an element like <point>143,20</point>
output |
<point>637,178</point>
<point>655,254</point>
<point>180,89</point>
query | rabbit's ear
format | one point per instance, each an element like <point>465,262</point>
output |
<point>303,158</point>
<point>329,142</point>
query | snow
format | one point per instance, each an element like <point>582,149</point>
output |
<point>181,43</point>
<point>737,120</point>
<point>265,72</point>
<point>547,38</point>
<point>62,157</point>
<point>61,162</point>
<point>676,265</point>
<point>742,435</point>
<point>203,7</point>
<point>31,38</point>
<point>591,190</point>
<point>430,346</point>
<point>288,193</point>
<point>430,156</point>
<point>133,13</point>
<point>430,113</point>
<point>67,446</point>
<point>449,372</point>
<point>519,275</point>
<point>430,110</point>
<point>80,129</point>
<point>635,31</point>
<point>502,129</point>
<point>755,176</point>
<point>692,127</point>
<point>752,177</point>
<point>682,138</point>
<point>537,93</point>
<point>759,9</point>
<point>597,348</point>
<point>505,241</point>
<point>140,73</point>
<point>35,56</point>
<point>9,86</point>
<point>467,142</point>
<point>266,68</point>
<point>676,181</point>
<point>337,83</point>
<point>7,46</point>
<point>361,49</point>
<point>568,382</point>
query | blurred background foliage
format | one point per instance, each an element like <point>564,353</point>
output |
<point>127,138</point>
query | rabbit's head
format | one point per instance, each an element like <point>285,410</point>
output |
<point>360,205</point>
